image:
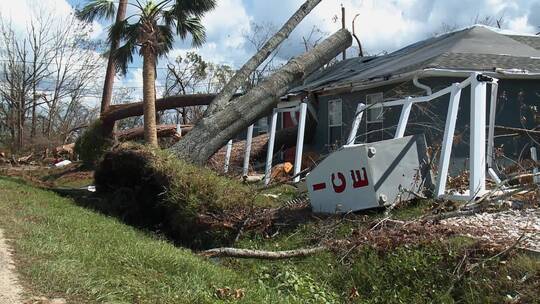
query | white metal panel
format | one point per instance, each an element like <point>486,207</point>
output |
<point>342,182</point>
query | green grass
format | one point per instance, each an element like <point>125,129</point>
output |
<point>421,273</point>
<point>68,251</point>
<point>63,250</point>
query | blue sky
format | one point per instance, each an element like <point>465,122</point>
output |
<point>382,25</point>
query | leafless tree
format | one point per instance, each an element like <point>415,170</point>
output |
<point>47,75</point>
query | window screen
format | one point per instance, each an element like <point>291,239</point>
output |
<point>374,115</point>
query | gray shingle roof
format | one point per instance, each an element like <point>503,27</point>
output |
<point>475,48</point>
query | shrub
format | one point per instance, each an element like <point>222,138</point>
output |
<point>91,145</point>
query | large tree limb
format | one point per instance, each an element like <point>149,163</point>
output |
<point>262,254</point>
<point>214,129</point>
<point>117,112</point>
<point>251,65</point>
<point>162,131</point>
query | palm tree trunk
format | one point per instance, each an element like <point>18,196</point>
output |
<point>111,68</point>
<point>149,97</point>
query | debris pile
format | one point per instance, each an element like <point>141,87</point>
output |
<point>503,227</point>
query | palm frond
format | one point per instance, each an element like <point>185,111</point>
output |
<point>194,27</point>
<point>123,56</point>
<point>195,8</point>
<point>166,40</point>
<point>97,9</point>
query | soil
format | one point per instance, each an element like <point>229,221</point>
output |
<point>10,290</point>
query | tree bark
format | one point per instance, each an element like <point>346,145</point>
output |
<point>162,131</point>
<point>149,97</point>
<point>111,67</point>
<point>262,254</point>
<point>117,112</point>
<point>214,129</point>
<point>236,81</point>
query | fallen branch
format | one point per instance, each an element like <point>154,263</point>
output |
<point>262,254</point>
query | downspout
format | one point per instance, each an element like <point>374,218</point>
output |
<point>421,86</point>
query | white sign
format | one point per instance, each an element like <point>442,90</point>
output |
<point>342,182</point>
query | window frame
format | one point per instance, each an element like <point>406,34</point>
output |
<point>335,125</point>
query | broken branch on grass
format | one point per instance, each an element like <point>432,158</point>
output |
<point>262,254</point>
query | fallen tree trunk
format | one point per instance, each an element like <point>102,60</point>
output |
<point>117,112</point>
<point>162,131</point>
<point>215,129</point>
<point>285,138</point>
<point>262,254</point>
<point>223,98</point>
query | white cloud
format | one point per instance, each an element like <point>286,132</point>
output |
<point>20,12</point>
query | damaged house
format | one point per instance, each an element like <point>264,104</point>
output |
<point>423,68</point>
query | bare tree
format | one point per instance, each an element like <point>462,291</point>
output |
<point>47,73</point>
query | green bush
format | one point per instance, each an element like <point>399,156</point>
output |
<point>154,189</point>
<point>91,145</point>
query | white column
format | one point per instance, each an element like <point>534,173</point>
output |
<point>300,142</point>
<point>491,130</point>
<point>534,156</point>
<point>477,165</point>
<point>228,156</point>
<point>270,152</point>
<point>449,128</point>
<point>403,118</point>
<point>356,123</point>
<point>247,151</point>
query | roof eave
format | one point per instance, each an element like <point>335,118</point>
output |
<point>429,72</point>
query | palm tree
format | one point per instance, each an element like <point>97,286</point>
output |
<point>150,30</point>
<point>105,9</point>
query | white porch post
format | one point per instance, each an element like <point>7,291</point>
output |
<point>446,144</point>
<point>491,130</point>
<point>247,151</point>
<point>534,156</point>
<point>477,165</point>
<point>228,156</point>
<point>356,123</point>
<point>300,142</point>
<point>270,152</point>
<point>403,118</point>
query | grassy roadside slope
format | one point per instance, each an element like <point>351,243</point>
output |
<point>67,251</point>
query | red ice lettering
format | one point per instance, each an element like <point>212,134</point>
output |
<point>338,188</point>
<point>357,179</point>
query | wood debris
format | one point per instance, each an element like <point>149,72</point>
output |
<point>502,227</point>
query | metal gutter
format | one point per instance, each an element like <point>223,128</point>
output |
<point>430,72</point>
